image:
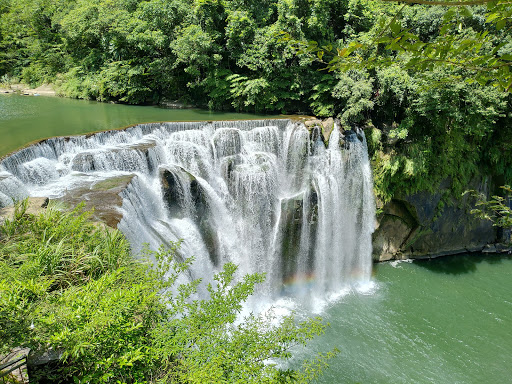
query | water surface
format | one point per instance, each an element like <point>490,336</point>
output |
<point>24,119</point>
<point>447,320</point>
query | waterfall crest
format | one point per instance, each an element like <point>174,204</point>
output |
<point>268,195</point>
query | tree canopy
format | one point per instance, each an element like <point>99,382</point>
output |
<point>427,81</point>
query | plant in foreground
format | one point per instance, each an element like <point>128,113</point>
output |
<point>70,286</point>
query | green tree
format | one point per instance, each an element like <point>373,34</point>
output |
<point>497,209</point>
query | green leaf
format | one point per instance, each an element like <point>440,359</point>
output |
<point>395,27</point>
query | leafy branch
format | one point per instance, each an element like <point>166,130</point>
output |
<point>481,54</point>
<point>497,209</point>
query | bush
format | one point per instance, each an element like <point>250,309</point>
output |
<point>71,286</point>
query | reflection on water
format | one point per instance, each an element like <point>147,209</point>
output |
<point>457,264</point>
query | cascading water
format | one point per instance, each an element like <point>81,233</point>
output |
<point>267,195</point>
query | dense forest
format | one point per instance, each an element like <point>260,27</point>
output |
<point>424,123</point>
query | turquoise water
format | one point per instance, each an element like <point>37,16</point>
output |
<point>24,119</point>
<point>442,321</point>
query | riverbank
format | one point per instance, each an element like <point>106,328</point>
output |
<point>26,90</point>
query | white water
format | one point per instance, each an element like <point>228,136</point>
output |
<point>261,194</point>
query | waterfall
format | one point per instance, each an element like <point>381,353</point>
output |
<point>268,195</point>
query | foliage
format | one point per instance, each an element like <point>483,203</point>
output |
<point>71,286</point>
<point>458,36</point>
<point>430,78</point>
<point>497,209</point>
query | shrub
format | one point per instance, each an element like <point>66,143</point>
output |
<point>71,286</point>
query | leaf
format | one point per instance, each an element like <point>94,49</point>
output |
<point>500,24</point>
<point>465,11</point>
<point>395,27</point>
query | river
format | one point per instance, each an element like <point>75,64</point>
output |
<point>24,119</point>
<point>436,321</point>
<point>441,321</point>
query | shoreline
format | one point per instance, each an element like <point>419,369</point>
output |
<point>25,90</point>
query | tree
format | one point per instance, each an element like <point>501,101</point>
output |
<point>479,45</point>
<point>497,209</point>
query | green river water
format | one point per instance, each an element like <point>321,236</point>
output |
<point>441,321</point>
<point>24,119</point>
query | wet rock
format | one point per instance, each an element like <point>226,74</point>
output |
<point>291,224</point>
<point>503,248</point>
<point>83,162</point>
<point>388,240</point>
<point>351,136</point>
<point>489,248</point>
<point>316,139</point>
<point>184,196</point>
<point>143,146</point>
<point>103,196</point>
<point>227,142</point>
<point>324,128</point>
<point>175,181</point>
<point>228,165</point>
<point>310,124</point>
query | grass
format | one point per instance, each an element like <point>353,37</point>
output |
<point>65,246</point>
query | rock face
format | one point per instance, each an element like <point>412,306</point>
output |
<point>184,197</point>
<point>291,220</point>
<point>102,196</point>
<point>322,129</point>
<point>420,226</point>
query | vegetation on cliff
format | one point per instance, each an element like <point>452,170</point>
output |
<point>71,286</point>
<point>496,208</point>
<point>401,71</point>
